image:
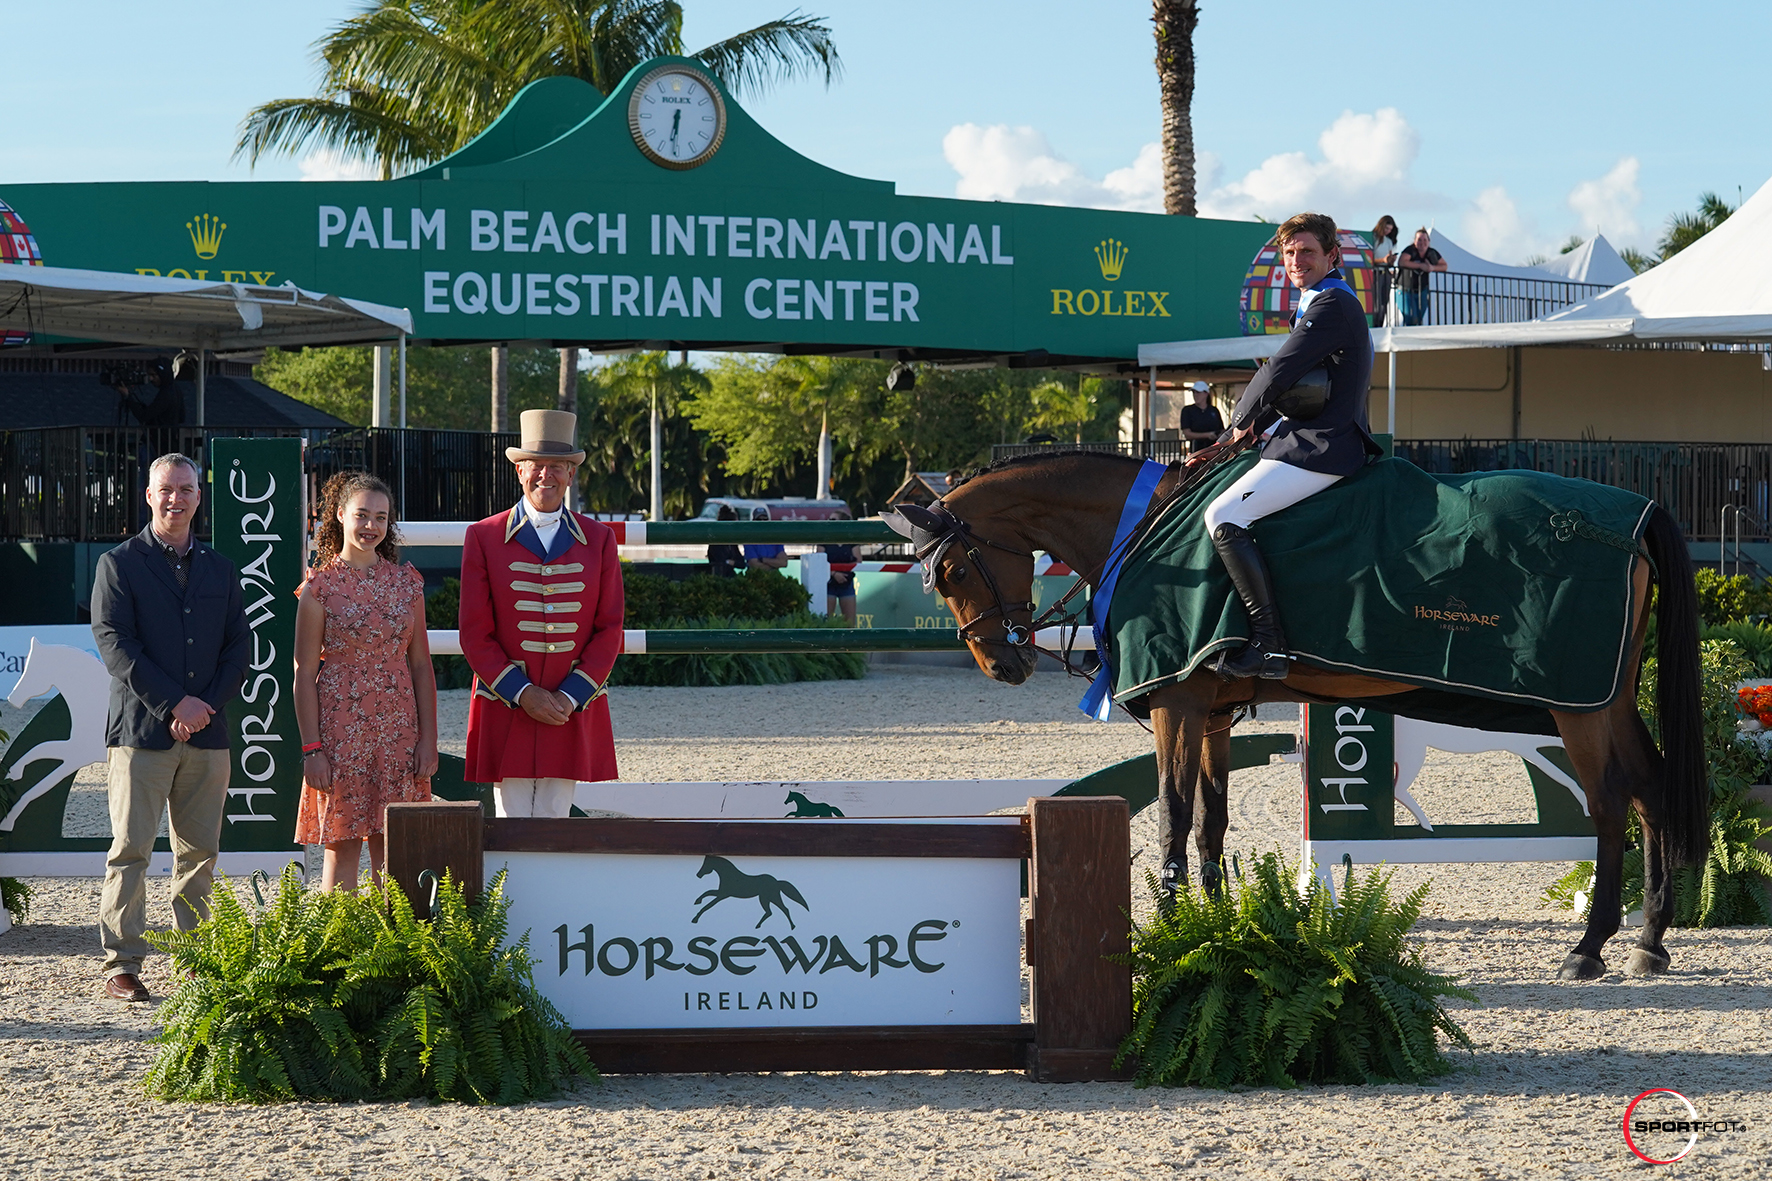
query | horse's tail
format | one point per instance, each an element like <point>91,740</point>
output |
<point>1685,778</point>
<point>788,889</point>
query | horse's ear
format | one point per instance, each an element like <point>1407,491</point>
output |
<point>896,522</point>
<point>919,517</point>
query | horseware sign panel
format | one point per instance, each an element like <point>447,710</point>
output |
<point>563,222</point>
<point>642,941</point>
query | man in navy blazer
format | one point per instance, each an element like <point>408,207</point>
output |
<point>1299,457</point>
<point>167,617</point>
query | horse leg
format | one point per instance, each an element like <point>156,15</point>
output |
<point>1178,720</point>
<point>1591,741</point>
<point>1649,957</point>
<point>1214,816</point>
<point>706,908</point>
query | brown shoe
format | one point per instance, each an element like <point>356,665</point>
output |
<point>125,986</point>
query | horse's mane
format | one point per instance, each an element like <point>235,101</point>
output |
<point>1035,457</point>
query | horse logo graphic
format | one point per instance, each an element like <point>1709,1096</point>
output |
<point>805,808</point>
<point>1454,603</point>
<point>85,687</point>
<point>736,884</point>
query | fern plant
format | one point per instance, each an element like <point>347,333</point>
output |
<point>341,995</point>
<point>1272,984</point>
<point>16,895</point>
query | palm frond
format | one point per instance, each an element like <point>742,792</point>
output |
<point>795,46</point>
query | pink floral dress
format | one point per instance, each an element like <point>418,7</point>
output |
<point>368,711</point>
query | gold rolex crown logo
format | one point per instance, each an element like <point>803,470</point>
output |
<point>1111,254</point>
<point>206,234</point>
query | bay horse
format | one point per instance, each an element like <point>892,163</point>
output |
<point>1068,504</point>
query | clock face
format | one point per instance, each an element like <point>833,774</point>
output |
<point>677,117</point>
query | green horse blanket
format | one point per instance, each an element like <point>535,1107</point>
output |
<point>1509,587</point>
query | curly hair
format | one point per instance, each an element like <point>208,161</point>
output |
<point>329,539</point>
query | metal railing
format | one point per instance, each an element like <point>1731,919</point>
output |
<point>1695,482</point>
<point>85,483</point>
<point>1457,298</point>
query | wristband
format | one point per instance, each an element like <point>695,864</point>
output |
<point>309,748</point>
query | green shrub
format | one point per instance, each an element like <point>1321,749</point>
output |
<point>1266,985</point>
<point>1754,640</point>
<point>1731,887</point>
<point>344,995</point>
<point>742,668</point>
<point>653,600</point>
<point>1731,599</point>
<point>16,894</point>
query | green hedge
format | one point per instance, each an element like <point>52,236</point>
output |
<point>758,599</point>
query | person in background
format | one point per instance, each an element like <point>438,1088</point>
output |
<point>1201,422</point>
<point>541,614</point>
<point>167,617</point>
<point>764,556</point>
<point>723,560</point>
<point>365,692</point>
<point>1384,259</point>
<point>1417,259</point>
<point>840,590</point>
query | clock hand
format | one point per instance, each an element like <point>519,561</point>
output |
<point>676,118</point>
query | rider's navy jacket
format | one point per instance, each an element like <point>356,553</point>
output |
<point>162,643</point>
<point>1333,329</point>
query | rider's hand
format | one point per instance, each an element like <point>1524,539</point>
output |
<point>1241,437</point>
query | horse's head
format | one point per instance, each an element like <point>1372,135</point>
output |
<point>707,867</point>
<point>977,559</point>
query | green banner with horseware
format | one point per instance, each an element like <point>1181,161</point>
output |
<point>564,223</point>
<point>260,524</point>
<point>1501,594</point>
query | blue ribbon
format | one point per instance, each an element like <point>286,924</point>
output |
<point>1097,700</point>
<point>1334,279</point>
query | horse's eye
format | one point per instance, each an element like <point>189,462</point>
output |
<point>957,574</point>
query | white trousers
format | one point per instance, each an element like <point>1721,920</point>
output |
<point>1262,491</point>
<point>534,797</point>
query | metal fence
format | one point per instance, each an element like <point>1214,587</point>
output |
<point>1701,484</point>
<point>1457,298</point>
<point>85,483</point>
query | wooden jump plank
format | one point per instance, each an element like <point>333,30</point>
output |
<point>729,838</point>
<point>884,1047</point>
<point>440,836</point>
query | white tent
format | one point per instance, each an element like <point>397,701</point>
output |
<point>1463,262</point>
<point>1712,290</point>
<point>107,307</point>
<point>1594,261</point>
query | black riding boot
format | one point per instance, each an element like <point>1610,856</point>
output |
<point>1265,653</point>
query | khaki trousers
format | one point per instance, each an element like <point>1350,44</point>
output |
<point>190,786</point>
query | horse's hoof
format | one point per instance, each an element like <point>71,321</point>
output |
<point>1582,967</point>
<point>1644,962</point>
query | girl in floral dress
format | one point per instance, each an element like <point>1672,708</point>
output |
<point>365,695</point>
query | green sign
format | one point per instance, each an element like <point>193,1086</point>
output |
<point>1349,756</point>
<point>255,497</point>
<point>568,221</point>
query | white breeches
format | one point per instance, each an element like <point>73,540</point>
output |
<point>534,797</point>
<point>1262,491</point>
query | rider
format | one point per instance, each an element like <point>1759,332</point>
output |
<point>1298,458</point>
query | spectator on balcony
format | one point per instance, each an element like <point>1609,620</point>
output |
<point>1416,260</point>
<point>1384,260</point>
<point>1201,423</point>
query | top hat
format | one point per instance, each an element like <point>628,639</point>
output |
<point>547,434</point>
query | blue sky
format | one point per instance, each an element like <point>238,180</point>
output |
<point>1507,125</point>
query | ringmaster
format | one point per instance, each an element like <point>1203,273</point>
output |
<point>541,613</point>
<point>167,618</point>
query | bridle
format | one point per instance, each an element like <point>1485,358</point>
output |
<point>934,531</point>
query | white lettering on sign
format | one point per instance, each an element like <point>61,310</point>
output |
<point>258,730</point>
<point>638,942</point>
<point>1350,755</point>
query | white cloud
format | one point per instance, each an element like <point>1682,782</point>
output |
<point>1365,161</point>
<point>327,164</point>
<point>1494,228</point>
<point>1003,163</point>
<point>1608,205</point>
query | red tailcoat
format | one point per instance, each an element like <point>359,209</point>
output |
<point>551,618</point>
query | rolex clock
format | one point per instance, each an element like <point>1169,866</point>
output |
<point>677,117</point>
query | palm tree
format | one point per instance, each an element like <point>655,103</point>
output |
<point>409,81</point>
<point>1683,229</point>
<point>1175,21</point>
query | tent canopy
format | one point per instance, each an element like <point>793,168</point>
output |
<point>1594,261</point>
<point>1712,290</point>
<point>107,307</point>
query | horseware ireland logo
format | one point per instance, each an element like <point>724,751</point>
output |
<point>206,234</point>
<point>734,883</point>
<point>1111,256</point>
<point>810,809</point>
